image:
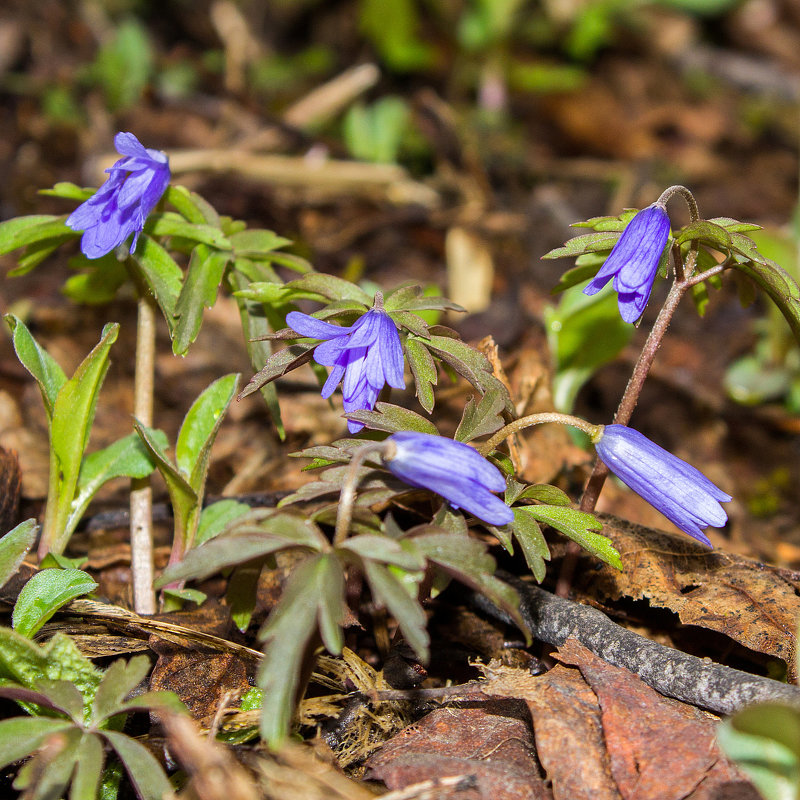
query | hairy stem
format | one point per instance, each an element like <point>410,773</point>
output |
<point>144,599</point>
<point>348,493</point>
<point>538,419</point>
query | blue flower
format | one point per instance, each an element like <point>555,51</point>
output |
<point>680,492</point>
<point>121,205</point>
<point>633,262</point>
<point>367,354</point>
<point>453,470</point>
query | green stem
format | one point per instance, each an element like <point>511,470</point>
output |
<point>594,431</point>
<point>141,502</point>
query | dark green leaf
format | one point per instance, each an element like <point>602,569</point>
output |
<point>279,364</point>
<point>608,223</point>
<point>388,417</point>
<point>544,493</point>
<point>168,702</point>
<point>242,593</point>
<point>64,695</point>
<point>48,774</point>
<point>423,369</point>
<point>529,535</point>
<point>21,736</point>
<point>391,593</point>
<point>734,226</point>
<point>410,322</point>
<point>705,232</point>
<point>36,252</point>
<point>199,291</point>
<point>146,774</point>
<point>257,243</point>
<point>331,287</point>
<point>32,699</point>
<point>44,594</point>
<point>578,526</point>
<point>14,547</point>
<point>38,362</point>
<point>371,547</point>
<point>484,417</point>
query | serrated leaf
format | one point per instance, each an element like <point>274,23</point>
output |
<point>587,243</point>
<point>199,291</point>
<point>14,546</point>
<point>168,223</point>
<point>617,223</point>
<point>388,417</point>
<point>255,243</point>
<point>483,417</point>
<point>544,493</point>
<point>389,591</point>
<point>423,368</point>
<point>41,365</point>
<point>578,526</point>
<point>22,231</point>
<point>214,519</point>
<point>331,287</point>
<point>44,594</point>
<point>145,773</point>
<point>308,601</point>
<point>161,274</point>
<point>279,364</point>
<point>734,226</point>
<point>531,541</point>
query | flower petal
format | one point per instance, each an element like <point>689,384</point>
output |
<point>314,328</point>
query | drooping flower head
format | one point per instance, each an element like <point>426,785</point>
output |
<point>679,491</point>
<point>121,205</point>
<point>633,262</point>
<point>367,354</point>
<point>451,469</point>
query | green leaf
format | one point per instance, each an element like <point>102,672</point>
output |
<point>35,253</point>
<point>192,206</point>
<point>578,274</point>
<point>64,695</point>
<point>388,417</point>
<point>22,736</point>
<point>176,599</point>
<point>584,334</point>
<point>255,243</point>
<point>484,417</point>
<point>199,429</point>
<point>119,680</point>
<point>145,773</point>
<point>68,191</point>
<point>242,593</point>
<point>390,592</point>
<point>100,281</point>
<point>314,595</point>
<point>41,365</point>
<point>578,526</point>
<point>161,274</point>
<point>544,493</point>
<point>216,517</point>
<point>88,769</point>
<point>413,323</point>
<point>14,547</point>
<point>73,414</point>
<point>128,458</point>
<point>170,224</point>
<point>22,231</point>
<point>331,287</point>
<point>706,233</point>
<point>423,369</point>
<point>206,269</point>
<point>587,243</point>
<point>529,535</point>
<point>765,751</point>
<point>371,547</point>
<point>734,226</point>
<point>375,132</point>
<point>44,594</point>
<point>124,64</point>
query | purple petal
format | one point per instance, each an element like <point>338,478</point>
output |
<point>332,382</point>
<point>391,353</point>
<point>312,327</point>
<point>128,145</point>
<point>331,351</point>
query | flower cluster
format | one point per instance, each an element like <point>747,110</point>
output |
<point>367,355</point>
<point>121,205</point>
<point>633,262</point>
<point>679,491</point>
<point>453,470</point>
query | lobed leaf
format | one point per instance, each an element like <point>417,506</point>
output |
<point>388,417</point>
<point>118,681</point>
<point>483,417</point>
<point>423,368</point>
<point>527,532</point>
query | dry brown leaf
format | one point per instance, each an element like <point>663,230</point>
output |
<point>753,603</point>
<point>492,742</point>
